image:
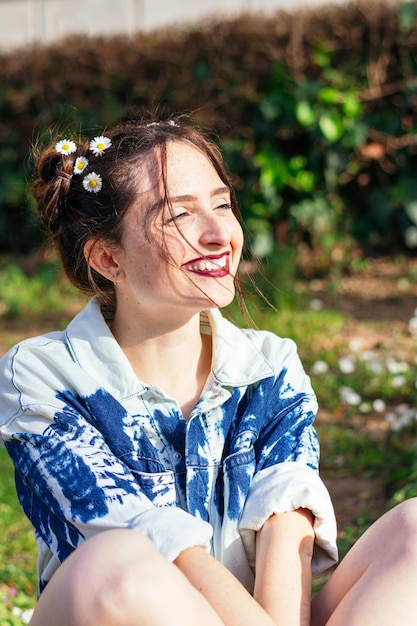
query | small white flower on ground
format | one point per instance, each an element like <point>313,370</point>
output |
<point>376,367</point>
<point>346,365</point>
<point>65,146</point>
<point>398,381</point>
<point>406,415</point>
<point>320,367</point>
<point>316,304</point>
<point>80,164</point>
<point>25,615</point>
<point>365,407</point>
<point>392,420</point>
<point>92,182</point>
<point>349,396</point>
<point>379,405</point>
<point>397,367</point>
<point>367,355</point>
<point>356,344</point>
<point>402,408</point>
<point>99,144</point>
<point>405,420</point>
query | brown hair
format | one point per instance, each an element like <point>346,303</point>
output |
<point>75,216</point>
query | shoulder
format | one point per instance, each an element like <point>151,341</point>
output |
<point>36,369</point>
<point>49,348</point>
<point>248,355</point>
<point>32,349</point>
<point>29,375</point>
<point>272,346</point>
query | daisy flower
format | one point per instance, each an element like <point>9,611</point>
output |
<point>80,164</point>
<point>92,182</point>
<point>320,367</point>
<point>65,146</point>
<point>99,144</point>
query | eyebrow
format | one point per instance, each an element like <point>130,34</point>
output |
<point>190,198</point>
<point>159,204</point>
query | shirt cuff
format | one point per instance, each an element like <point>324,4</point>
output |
<point>287,487</point>
<point>172,530</point>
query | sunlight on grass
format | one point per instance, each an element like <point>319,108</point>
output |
<point>355,386</point>
<point>18,552</point>
<point>34,297</point>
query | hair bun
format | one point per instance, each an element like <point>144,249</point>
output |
<point>49,165</point>
<point>52,185</point>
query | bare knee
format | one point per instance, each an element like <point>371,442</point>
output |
<point>407,513</point>
<point>390,542</point>
<point>110,579</point>
<point>392,537</point>
<point>120,568</point>
<point>402,534</point>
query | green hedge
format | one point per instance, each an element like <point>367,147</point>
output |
<point>315,111</point>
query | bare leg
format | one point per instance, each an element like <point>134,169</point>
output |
<point>118,578</point>
<point>376,583</point>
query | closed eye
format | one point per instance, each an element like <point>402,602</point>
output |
<point>175,217</point>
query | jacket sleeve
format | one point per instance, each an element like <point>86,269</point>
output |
<point>70,482</point>
<point>287,459</point>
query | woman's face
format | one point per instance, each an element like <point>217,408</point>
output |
<point>197,232</point>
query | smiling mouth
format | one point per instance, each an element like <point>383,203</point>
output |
<point>210,266</point>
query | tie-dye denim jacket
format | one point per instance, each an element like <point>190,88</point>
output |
<point>94,448</point>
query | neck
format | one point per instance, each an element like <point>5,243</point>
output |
<point>177,359</point>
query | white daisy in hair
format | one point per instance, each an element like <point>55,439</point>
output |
<point>65,146</point>
<point>99,144</point>
<point>92,182</point>
<point>80,164</point>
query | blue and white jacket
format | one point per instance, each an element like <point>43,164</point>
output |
<point>94,448</point>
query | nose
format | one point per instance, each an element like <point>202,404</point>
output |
<point>215,229</point>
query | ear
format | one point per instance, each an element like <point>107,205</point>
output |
<point>103,259</point>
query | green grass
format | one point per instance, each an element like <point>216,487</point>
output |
<point>45,301</point>
<point>28,305</point>
<point>353,386</point>
<point>17,551</point>
<point>36,297</point>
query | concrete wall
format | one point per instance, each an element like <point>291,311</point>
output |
<point>24,22</point>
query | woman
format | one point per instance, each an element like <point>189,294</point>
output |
<point>152,418</point>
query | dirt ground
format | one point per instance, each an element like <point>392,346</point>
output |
<point>379,303</point>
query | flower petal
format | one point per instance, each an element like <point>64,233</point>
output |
<point>80,164</point>
<point>92,182</point>
<point>65,146</point>
<point>99,144</point>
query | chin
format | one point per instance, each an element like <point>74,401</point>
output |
<point>218,297</point>
<point>222,300</point>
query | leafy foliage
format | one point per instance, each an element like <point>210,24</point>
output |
<point>316,111</point>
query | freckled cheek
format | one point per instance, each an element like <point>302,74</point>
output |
<point>175,249</point>
<point>238,240</point>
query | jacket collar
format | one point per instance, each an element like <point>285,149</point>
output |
<point>236,359</point>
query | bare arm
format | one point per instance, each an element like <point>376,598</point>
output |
<point>284,548</point>
<point>234,605</point>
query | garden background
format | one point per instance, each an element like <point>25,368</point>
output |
<point>316,113</point>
